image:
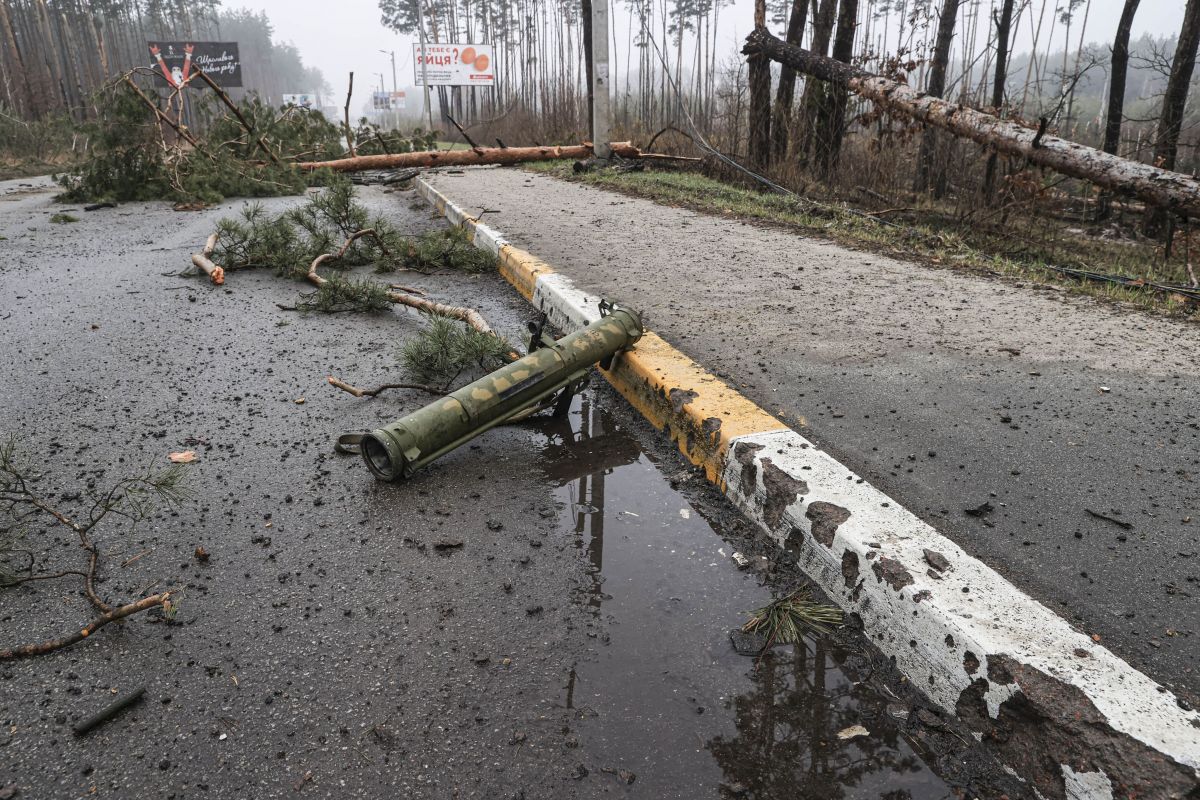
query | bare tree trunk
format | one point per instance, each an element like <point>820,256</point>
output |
<point>814,92</point>
<point>935,88</point>
<point>1170,121</point>
<point>1118,72</point>
<point>781,123</point>
<point>1003,28</point>
<point>760,98</point>
<point>1159,187</point>
<point>832,127</point>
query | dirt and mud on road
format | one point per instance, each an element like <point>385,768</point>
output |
<point>542,614</point>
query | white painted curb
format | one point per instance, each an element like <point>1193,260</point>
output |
<point>962,633</point>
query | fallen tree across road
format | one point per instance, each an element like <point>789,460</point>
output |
<point>1173,191</point>
<point>480,155</point>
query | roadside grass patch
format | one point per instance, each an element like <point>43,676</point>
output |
<point>63,219</point>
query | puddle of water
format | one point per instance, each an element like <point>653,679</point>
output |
<point>663,694</point>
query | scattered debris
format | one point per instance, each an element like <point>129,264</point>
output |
<point>1120,523</point>
<point>936,560</point>
<point>133,499</point>
<point>853,732</point>
<point>184,457</point>
<point>785,619</point>
<point>980,511</point>
<point>110,711</point>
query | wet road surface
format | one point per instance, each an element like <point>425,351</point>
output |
<point>945,389</point>
<point>542,614</point>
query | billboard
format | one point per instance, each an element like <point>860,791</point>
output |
<point>302,100</point>
<point>455,64</point>
<point>172,61</point>
<point>388,101</point>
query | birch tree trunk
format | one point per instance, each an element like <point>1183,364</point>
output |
<point>1171,191</point>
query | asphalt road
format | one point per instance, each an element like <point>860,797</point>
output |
<point>542,614</point>
<point>945,388</point>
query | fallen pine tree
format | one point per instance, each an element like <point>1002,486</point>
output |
<point>480,155</point>
<point>1169,190</point>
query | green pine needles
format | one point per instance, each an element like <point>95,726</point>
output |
<point>447,347</point>
<point>785,619</point>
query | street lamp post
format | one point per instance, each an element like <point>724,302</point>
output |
<point>395,89</point>
<point>424,66</point>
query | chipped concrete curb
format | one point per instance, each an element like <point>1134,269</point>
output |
<point>1061,711</point>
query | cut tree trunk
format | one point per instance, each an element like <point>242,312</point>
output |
<point>1168,190</point>
<point>466,158</point>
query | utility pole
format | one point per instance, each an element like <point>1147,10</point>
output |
<point>391,100</point>
<point>424,65</point>
<point>600,100</point>
<point>392,53</point>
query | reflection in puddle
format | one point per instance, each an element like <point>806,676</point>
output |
<point>663,695</point>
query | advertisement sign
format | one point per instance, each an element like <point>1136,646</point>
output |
<point>301,100</point>
<point>455,64</point>
<point>388,101</point>
<point>172,61</point>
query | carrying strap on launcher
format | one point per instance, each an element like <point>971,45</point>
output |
<point>349,444</point>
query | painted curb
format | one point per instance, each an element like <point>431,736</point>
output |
<point>1064,713</point>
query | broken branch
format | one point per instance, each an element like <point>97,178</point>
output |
<point>158,113</point>
<point>215,273</point>
<point>349,130</point>
<point>237,112</point>
<point>115,615</point>
<point>467,315</point>
<point>357,392</point>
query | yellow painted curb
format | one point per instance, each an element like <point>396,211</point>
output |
<point>699,411</point>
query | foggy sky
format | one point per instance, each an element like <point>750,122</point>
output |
<point>337,38</point>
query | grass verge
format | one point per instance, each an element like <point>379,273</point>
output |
<point>929,239</point>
